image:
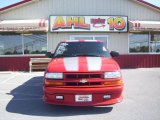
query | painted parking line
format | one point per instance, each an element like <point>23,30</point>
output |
<point>8,72</point>
<point>15,74</point>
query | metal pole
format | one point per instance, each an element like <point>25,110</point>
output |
<point>22,43</point>
<point>150,45</point>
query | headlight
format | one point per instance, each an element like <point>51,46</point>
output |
<point>115,74</point>
<point>54,75</point>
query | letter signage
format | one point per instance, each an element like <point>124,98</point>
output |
<point>88,23</point>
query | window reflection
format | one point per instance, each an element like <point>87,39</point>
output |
<point>19,44</point>
<point>10,44</point>
<point>35,43</point>
<point>138,43</point>
<point>155,42</point>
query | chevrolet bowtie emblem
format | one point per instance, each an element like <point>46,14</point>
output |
<point>83,81</point>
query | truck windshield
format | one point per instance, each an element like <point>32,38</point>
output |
<point>76,49</point>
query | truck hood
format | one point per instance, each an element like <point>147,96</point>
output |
<point>82,64</point>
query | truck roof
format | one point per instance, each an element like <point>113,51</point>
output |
<point>81,41</point>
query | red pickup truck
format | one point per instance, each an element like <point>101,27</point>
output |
<point>82,73</point>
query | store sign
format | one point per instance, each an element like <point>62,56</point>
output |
<point>23,25</point>
<point>88,23</point>
<point>144,25</point>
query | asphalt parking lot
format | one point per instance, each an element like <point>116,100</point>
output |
<point>21,99</point>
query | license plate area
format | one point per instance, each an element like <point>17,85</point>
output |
<point>83,98</point>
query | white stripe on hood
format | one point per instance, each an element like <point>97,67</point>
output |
<point>94,63</point>
<point>71,64</point>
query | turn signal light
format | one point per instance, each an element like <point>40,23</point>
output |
<point>113,83</point>
<point>53,83</point>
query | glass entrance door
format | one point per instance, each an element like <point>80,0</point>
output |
<point>104,38</point>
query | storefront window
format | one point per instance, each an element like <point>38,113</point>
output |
<point>138,43</point>
<point>20,44</point>
<point>35,43</point>
<point>10,44</point>
<point>155,42</point>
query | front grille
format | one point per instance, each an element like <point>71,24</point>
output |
<point>82,84</point>
<point>80,76</point>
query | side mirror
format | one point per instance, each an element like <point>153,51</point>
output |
<point>114,54</point>
<point>49,54</point>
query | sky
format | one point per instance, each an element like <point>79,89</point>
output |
<point>4,3</point>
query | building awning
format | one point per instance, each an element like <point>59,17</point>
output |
<point>144,25</point>
<point>23,25</point>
